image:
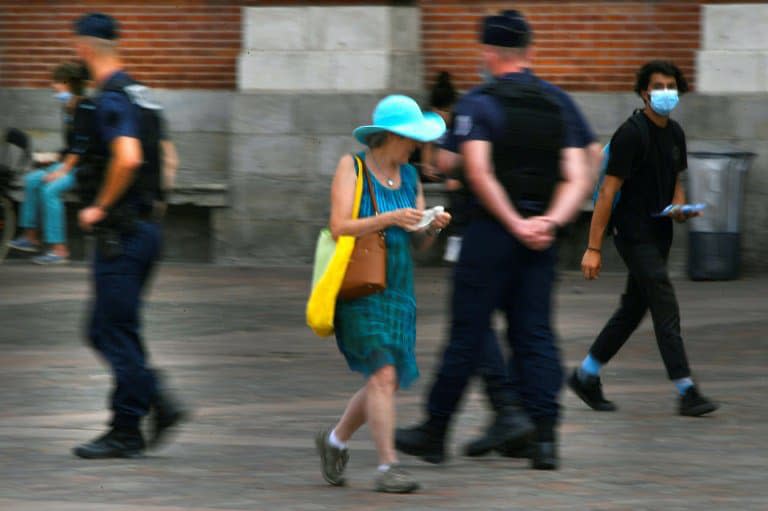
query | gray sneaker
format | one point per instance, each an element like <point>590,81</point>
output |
<point>396,480</point>
<point>333,460</point>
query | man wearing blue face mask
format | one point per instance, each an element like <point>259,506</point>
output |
<point>647,155</point>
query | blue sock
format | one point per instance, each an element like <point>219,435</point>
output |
<point>589,367</point>
<point>683,384</point>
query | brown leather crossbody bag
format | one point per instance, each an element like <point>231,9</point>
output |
<point>367,269</point>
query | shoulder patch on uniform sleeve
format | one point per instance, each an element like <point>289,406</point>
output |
<point>142,96</point>
<point>462,125</point>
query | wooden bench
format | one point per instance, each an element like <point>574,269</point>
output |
<point>208,195</point>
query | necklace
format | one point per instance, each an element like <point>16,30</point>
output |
<point>390,181</point>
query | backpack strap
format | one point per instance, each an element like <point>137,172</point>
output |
<point>638,120</point>
<point>677,131</point>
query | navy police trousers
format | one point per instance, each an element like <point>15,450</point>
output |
<point>114,331</point>
<point>495,271</point>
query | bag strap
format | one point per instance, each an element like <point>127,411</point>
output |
<point>639,121</point>
<point>362,169</point>
<point>358,188</point>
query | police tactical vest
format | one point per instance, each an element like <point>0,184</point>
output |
<point>527,157</point>
<point>147,186</point>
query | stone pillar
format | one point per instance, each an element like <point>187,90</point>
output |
<point>734,54</point>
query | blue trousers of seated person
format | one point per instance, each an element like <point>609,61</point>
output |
<point>43,199</point>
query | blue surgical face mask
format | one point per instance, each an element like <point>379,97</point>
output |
<point>664,101</point>
<point>63,96</point>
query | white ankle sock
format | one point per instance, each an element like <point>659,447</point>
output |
<point>384,467</point>
<point>334,441</point>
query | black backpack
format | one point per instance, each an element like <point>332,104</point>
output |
<point>528,160</point>
<point>148,181</point>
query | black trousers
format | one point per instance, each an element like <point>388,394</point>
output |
<point>648,287</point>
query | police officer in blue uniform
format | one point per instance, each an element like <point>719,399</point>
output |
<point>120,182</point>
<point>522,141</point>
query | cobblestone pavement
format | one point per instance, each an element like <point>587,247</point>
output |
<point>234,342</point>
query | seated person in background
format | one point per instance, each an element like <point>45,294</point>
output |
<point>43,188</point>
<point>440,164</point>
<point>441,100</point>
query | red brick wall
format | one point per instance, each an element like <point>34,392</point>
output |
<point>169,44</point>
<point>182,44</point>
<point>581,45</point>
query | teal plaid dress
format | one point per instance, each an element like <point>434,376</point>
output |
<point>380,329</point>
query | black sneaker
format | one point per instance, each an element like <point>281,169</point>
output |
<point>423,441</point>
<point>591,392</point>
<point>511,429</point>
<point>693,404</point>
<point>113,444</point>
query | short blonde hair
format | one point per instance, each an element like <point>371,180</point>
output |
<point>505,53</point>
<point>100,46</point>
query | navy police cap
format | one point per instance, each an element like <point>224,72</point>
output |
<point>508,29</point>
<point>96,24</point>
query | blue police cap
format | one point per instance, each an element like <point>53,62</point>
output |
<point>97,24</point>
<point>509,29</point>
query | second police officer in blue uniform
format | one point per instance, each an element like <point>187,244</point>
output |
<point>120,182</point>
<point>522,141</point>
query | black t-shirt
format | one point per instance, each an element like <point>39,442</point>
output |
<point>79,127</point>
<point>649,178</point>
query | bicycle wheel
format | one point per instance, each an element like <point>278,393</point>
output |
<point>7,225</point>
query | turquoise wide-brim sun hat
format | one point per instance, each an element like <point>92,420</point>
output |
<point>401,115</point>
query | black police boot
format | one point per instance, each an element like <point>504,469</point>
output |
<point>544,451</point>
<point>427,441</point>
<point>590,390</point>
<point>510,430</point>
<point>166,413</point>
<point>544,456</point>
<point>524,451</point>
<point>116,443</point>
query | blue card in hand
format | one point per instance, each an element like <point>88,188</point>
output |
<point>685,208</point>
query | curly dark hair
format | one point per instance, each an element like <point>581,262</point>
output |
<point>73,74</point>
<point>660,66</point>
<point>443,94</point>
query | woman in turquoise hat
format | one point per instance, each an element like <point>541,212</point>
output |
<point>377,333</point>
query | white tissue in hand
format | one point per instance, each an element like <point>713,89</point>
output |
<point>429,216</point>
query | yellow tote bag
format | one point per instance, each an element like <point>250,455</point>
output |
<point>330,264</point>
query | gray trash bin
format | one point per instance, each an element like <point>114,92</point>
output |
<point>716,177</point>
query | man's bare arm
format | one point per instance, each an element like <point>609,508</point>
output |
<point>121,171</point>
